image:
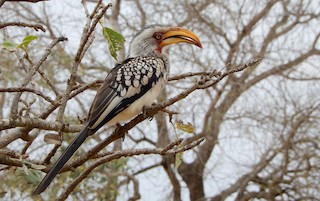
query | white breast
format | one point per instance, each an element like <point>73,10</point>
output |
<point>136,107</point>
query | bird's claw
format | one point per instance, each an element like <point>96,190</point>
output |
<point>145,110</point>
<point>118,128</point>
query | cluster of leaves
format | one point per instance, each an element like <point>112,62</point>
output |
<point>114,39</point>
<point>13,46</point>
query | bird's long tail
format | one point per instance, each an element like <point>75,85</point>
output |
<point>66,155</point>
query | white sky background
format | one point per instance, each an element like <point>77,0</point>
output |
<point>236,150</point>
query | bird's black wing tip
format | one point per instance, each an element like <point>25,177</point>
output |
<point>40,188</point>
<point>36,192</point>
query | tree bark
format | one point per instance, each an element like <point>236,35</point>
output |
<point>192,174</point>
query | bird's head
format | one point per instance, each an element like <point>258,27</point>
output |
<point>154,40</point>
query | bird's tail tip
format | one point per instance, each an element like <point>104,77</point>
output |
<point>65,156</point>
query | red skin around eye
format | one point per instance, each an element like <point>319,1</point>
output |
<point>155,35</point>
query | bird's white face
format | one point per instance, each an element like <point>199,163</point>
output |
<point>154,41</point>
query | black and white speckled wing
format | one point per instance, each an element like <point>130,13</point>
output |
<point>129,86</point>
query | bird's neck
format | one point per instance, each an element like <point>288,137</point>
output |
<point>165,60</point>
<point>164,57</point>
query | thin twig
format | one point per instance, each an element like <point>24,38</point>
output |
<point>18,133</point>
<point>85,42</point>
<point>15,101</point>
<point>10,153</point>
<point>25,89</point>
<point>96,8</point>
<point>5,160</point>
<point>84,4</point>
<point>43,75</point>
<point>51,154</point>
<point>2,2</point>
<point>136,194</point>
<point>23,24</point>
<point>36,123</point>
<point>170,146</point>
<point>186,75</point>
<point>87,31</point>
<point>30,1</point>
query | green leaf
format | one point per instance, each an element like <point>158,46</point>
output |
<point>34,177</point>
<point>188,128</point>
<point>33,166</point>
<point>12,46</point>
<point>9,45</point>
<point>114,39</point>
<point>26,41</point>
<point>29,175</point>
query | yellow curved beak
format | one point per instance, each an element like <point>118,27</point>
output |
<point>179,35</point>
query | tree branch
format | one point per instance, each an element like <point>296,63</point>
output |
<point>25,89</point>
<point>36,123</point>
<point>30,1</point>
<point>84,45</point>
<point>23,24</point>
<point>127,153</point>
<point>15,101</point>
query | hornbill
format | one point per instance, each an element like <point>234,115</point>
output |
<point>129,87</point>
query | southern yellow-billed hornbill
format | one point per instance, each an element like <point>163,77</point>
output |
<point>130,86</point>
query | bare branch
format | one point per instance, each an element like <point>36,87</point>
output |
<point>5,160</point>
<point>2,2</point>
<point>15,102</point>
<point>209,83</point>
<point>30,1</point>
<point>136,194</point>
<point>268,156</point>
<point>265,160</point>
<point>186,75</point>
<point>23,24</point>
<point>84,45</point>
<point>126,153</point>
<point>36,123</point>
<point>25,89</point>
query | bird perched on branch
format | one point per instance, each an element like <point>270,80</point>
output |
<point>129,87</point>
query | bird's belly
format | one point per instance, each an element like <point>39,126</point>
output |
<point>136,107</point>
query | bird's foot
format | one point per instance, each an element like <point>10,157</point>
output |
<point>118,128</point>
<point>145,110</point>
<point>208,77</point>
<point>83,119</point>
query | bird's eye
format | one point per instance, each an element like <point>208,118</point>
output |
<point>157,35</point>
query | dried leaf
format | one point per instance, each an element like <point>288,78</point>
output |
<point>178,160</point>
<point>114,39</point>
<point>52,139</point>
<point>185,127</point>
